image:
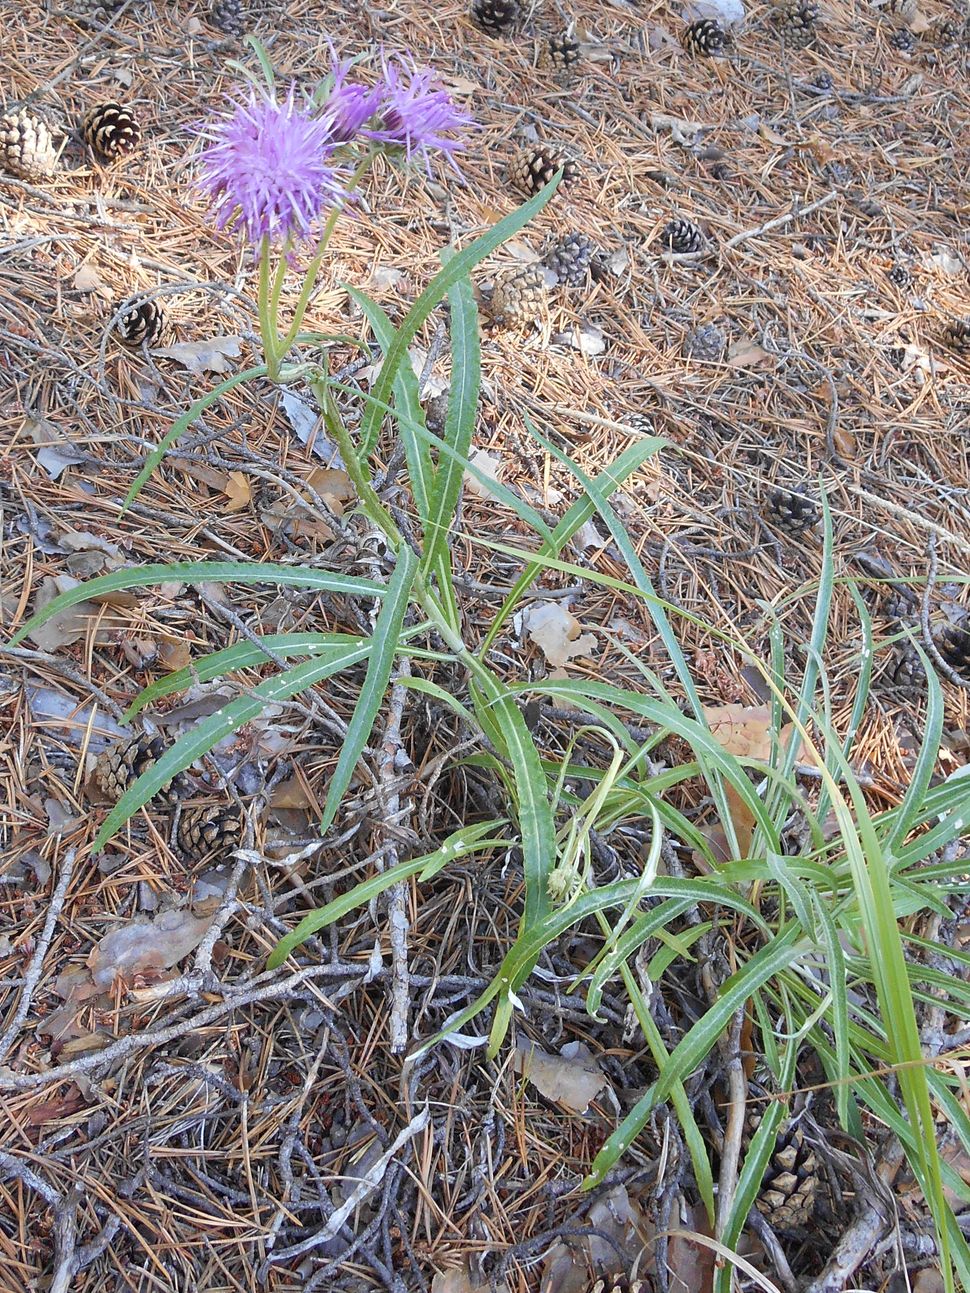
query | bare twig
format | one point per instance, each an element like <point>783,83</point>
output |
<point>941,665</point>
<point>796,213</point>
<point>36,966</point>
<point>397,915</point>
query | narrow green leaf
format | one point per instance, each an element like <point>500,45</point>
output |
<point>386,643</point>
<point>455,270</point>
<point>198,572</point>
<point>470,839</point>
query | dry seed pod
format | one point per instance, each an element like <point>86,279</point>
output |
<point>26,146</point>
<point>142,323</point>
<point>211,829</point>
<point>536,165</point>
<point>519,295</point>
<point>110,131</point>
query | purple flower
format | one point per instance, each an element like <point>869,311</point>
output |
<point>267,168</point>
<point>416,114</point>
<point>349,105</point>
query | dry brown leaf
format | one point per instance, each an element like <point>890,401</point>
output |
<point>573,1080</point>
<point>745,732</point>
<point>87,279</point>
<point>458,1279</point>
<point>746,353</point>
<point>238,491</point>
<point>210,356</point>
<point>556,632</point>
<point>771,136</point>
<point>844,441</point>
<point>174,653</point>
<point>146,948</point>
<point>210,476</point>
<point>489,465</point>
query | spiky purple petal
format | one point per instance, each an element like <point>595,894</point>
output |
<point>417,115</point>
<point>267,168</point>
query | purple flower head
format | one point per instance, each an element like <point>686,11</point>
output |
<point>267,168</point>
<point>416,114</point>
<point>349,105</point>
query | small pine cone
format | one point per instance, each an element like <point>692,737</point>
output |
<point>705,344</point>
<point>142,323</point>
<point>798,22</point>
<point>110,131</point>
<point>118,766</point>
<point>903,41</point>
<point>228,16</point>
<point>947,32</point>
<point>956,335</point>
<point>907,677</point>
<point>906,9</point>
<point>26,147</point>
<point>519,295</point>
<point>560,53</point>
<point>823,80</point>
<point>212,829</point>
<point>899,604</point>
<point>682,236</point>
<point>619,1283</point>
<point>435,412</point>
<point>704,37</point>
<point>953,643</point>
<point>640,423</point>
<point>793,513</point>
<point>900,275</point>
<point>570,258</point>
<point>536,165</point>
<point>787,1198</point>
<point>496,17</point>
<point>896,355</point>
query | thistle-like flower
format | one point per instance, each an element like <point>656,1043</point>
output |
<point>349,105</point>
<point>267,168</point>
<point>417,115</point>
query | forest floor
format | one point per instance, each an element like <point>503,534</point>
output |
<point>166,1133</point>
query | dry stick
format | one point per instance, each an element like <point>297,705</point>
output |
<point>397,916</point>
<point>734,1130</point>
<point>36,966</point>
<point>66,1261</point>
<point>67,670</point>
<point>134,1042</point>
<point>862,1236</point>
<point>778,222</point>
<point>949,673</point>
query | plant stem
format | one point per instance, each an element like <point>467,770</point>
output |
<point>267,317</point>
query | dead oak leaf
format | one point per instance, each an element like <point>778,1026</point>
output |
<point>209,356</point>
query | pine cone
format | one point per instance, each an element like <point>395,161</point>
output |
<point>705,344</point>
<point>787,1198</point>
<point>435,412</point>
<point>536,165</point>
<point>704,37</point>
<point>900,275</point>
<point>561,52</point>
<point>519,295</point>
<point>956,335</point>
<point>798,22</point>
<point>682,236</point>
<point>907,677</point>
<point>118,766</point>
<point>903,41</point>
<point>497,17</point>
<point>947,31</point>
<point>792,512</point>
<point>570,258</point>
<point>26,146</point>
<point>823,80</point>
<point>640,423</point>
<point>619,1283</point>
<point>209,830</point>
<point>953,643</point>
<point>110,131</point>
<point>142,323</point>
<point>907,9</point>
<point>228,16</point>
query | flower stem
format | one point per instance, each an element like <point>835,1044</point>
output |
<point>267,316</point>
<point>313,268</point>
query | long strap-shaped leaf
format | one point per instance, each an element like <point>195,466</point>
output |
<point>405,386</point>
<point>455,270</point>
<point>198,572</point>
<point>466,375</point>
<point>386,643</point>
<point>215,727</point>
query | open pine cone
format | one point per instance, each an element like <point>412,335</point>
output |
<point>110,131</point>
<point>120,765</point>
<point>209,831</point>
<point>26,147</point>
